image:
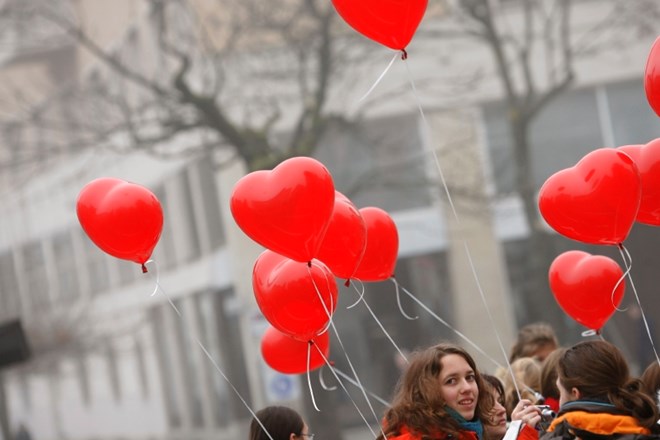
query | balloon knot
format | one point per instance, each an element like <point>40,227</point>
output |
<point>404,54</point>
<point>144,268</point>
<point>310,342</point>
<point>347,283</point>
<point>309,263</point>
<point>332,363</point>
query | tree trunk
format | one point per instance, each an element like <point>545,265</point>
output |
<point>536,295</point>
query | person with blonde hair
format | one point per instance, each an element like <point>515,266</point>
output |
<point>527,374</point>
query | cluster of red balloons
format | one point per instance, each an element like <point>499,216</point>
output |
<point>312,234</point>
<point>122,218</point>
<point>597,202</point>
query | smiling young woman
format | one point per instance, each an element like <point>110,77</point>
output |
<point>438,397</point>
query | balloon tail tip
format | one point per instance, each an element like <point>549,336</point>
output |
<point>404,54</point>
<point>144,269</point>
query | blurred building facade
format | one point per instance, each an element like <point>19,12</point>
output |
<point>112,360</point>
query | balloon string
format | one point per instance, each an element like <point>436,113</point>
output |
<point>361,292</point>
<point>446,324</point>
<point>624,253</point>
<point>490,317</point>
<point>318,293</point>
<point>458,221</point>
<point>341,384</point>
<point>157,276</point>
<point>357,379</point>
<point>383,328</point>
<point>324,385</point>
<point>332,324</point>
<point>382,75</point>
<point>375,396</point>
<point>398,302</point>
<point>621,279</point>
<point>309,381</point>
<point>215,364</point>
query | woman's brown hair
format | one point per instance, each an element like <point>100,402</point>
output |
<point>651,380</point>
<point>279,421</point>
<point>418,404</point>
<point>599,371</point>
<point>549,374</point>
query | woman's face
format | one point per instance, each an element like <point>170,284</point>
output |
<point>458,385</point>
<point>495,424</point>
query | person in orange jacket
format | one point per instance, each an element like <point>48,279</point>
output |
<point>598,398</point>
<point>438,397</point>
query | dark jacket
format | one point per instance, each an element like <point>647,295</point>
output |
<point>595,420</point>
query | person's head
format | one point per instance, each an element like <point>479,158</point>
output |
<point>598,370</point>
<point>527,372</point>
<point>549,388</point>
<point>495,422</point>
<point>282,423</point>
<point>651,381</point>
<point>437,380</point>
<point>535,340</point>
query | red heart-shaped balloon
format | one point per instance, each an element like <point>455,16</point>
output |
<point>584,287</point>
<point>596,201</point>
<point>295,298</point>
<point>286,210</point>
<point>652,77</point>
<point>647,159</point>
<point>389,22</point>
<point>345,240</point>
<point>382,248</point>
<point>123,219</point>
<point>289,356</point>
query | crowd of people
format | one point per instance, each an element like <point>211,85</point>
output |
<point>547,392</point>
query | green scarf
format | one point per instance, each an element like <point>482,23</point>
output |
<point>473,425</point>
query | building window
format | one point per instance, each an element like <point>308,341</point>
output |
<point>209,202</point>
<point>167,359</point>
<point>210,337</point>
<point>192,370</point>
<point>556,140</point>
<point>128,271</point>
<point>164,252</point>
<point>379,163</point>
<point>633,121</point>
<point>182,217</point>
<point>83,378</point>
<point>97,266</point>
<point>36,279</point>
<point>142,367</point>
<point>113,370</point>
<point>9,290</point>
<point>68,286</point>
